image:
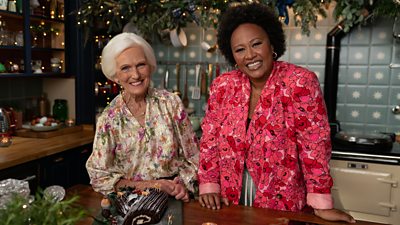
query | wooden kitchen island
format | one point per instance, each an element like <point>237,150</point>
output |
<point>54,160</point>
<point>194,214</point>
<point>24,149</point>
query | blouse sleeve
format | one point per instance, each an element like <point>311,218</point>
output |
<point>314,144</point>
<point>209,171</point>
<point>188,158</point>
<point>103,173</point>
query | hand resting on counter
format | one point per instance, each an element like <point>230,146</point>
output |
<point>214,201</point>
<point>334,215</point>
<point>172,187</point>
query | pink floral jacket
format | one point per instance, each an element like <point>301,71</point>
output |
<point>287,145</point>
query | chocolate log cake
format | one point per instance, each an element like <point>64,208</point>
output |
<point>139,207</point>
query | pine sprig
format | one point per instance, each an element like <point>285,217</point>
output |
<point>42,211</point>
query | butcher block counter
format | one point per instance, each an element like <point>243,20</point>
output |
<point>24,149</point>
<point>194,214</point>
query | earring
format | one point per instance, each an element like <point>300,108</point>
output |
<point>274,55</point>
<point>236,66</point>
<point>121,88</point>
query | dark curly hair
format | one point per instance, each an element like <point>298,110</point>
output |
<point>255,13</point>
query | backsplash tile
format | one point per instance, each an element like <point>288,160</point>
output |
<point>380,55</point>
<point>357,75</point>
<point>358,55</point>
<point>377,95</point>
<point>356,94</point>
<point>360,36</point>
<point>376,115</point>
<point>379,75</point>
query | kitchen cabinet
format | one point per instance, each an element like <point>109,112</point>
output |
<point>68,46</point>
<point>27,171</point>
<point>34,35</point>
<point>66,168</point>
<point>79,156</point>
<point>368,190</point>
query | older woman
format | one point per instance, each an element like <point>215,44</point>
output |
<point>267,142</point>
<point>144,137</point>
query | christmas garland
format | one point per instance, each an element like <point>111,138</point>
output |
<point>151,17</point>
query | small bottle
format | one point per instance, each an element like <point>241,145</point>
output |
<point>60,110</point>
<point>44,105</point>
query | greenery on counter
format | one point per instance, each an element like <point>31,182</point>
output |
<point>151,17</point>
<point>42,211</point>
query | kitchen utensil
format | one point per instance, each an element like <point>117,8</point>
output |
<point>203,84</point>
<point>4,121</point>
<point>178,80</point>
<point>217,70</point>
<point>178,37</point>
<point>165,81</point>
<point>196,89</point>
<point>358,140</point>
<point>185,99</point>
<point>5,137</point>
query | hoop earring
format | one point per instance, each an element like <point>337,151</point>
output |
<point>236,66</point>
<point>274,55</point>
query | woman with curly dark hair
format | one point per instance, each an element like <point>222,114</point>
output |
<point>266,140</point>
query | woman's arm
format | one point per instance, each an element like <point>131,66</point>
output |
<point>103,172</point>
<point>314,142</point>
<point>188,148</point>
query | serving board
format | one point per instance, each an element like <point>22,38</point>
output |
<point>47,134</point>
<point>173,215</point>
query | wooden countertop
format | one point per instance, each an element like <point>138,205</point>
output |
<point>193,213</point>
<point>27,149</point>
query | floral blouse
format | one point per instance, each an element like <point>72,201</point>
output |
<point>286,147</point>
<point>166,146</point>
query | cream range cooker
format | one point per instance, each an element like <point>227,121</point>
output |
<point>367,183</point>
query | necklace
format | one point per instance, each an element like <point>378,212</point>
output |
<point>137,109</point>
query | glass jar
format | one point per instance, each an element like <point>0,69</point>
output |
<point>60,110</point>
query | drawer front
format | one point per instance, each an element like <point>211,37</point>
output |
<point>361,190</point>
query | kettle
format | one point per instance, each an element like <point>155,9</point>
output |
<point>5,137</point>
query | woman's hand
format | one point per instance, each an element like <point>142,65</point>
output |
<point>334,215</point>
<point>173,188</point>
<point>180,191</point>
<point>212,201</point>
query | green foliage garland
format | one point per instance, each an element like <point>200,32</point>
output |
<point>153,17</point>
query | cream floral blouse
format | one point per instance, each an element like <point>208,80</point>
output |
<point>165,147</point>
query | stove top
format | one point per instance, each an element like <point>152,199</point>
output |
<point>361,153</point>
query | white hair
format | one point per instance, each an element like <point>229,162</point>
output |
<point>117,45</point>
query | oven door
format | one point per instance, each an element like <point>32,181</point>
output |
<point>358,189</point>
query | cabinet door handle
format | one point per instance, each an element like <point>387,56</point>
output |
<point>391,206</point>
<point>59,159</point>
<point>392,182</point>
<point>29,178</point>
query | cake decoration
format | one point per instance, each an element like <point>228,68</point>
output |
<point>131,206</point>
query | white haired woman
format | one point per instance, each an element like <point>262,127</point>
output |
<point>143,137</point>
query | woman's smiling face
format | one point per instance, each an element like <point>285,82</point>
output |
<point>252,51</point>
<point>133,71</point>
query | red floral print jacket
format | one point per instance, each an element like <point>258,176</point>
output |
<point>287,145</point>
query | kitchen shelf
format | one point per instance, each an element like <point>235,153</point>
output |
<point>37,75</point>
<point>11,14</point>
<point>40,43</point>
<point>11,47</point>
